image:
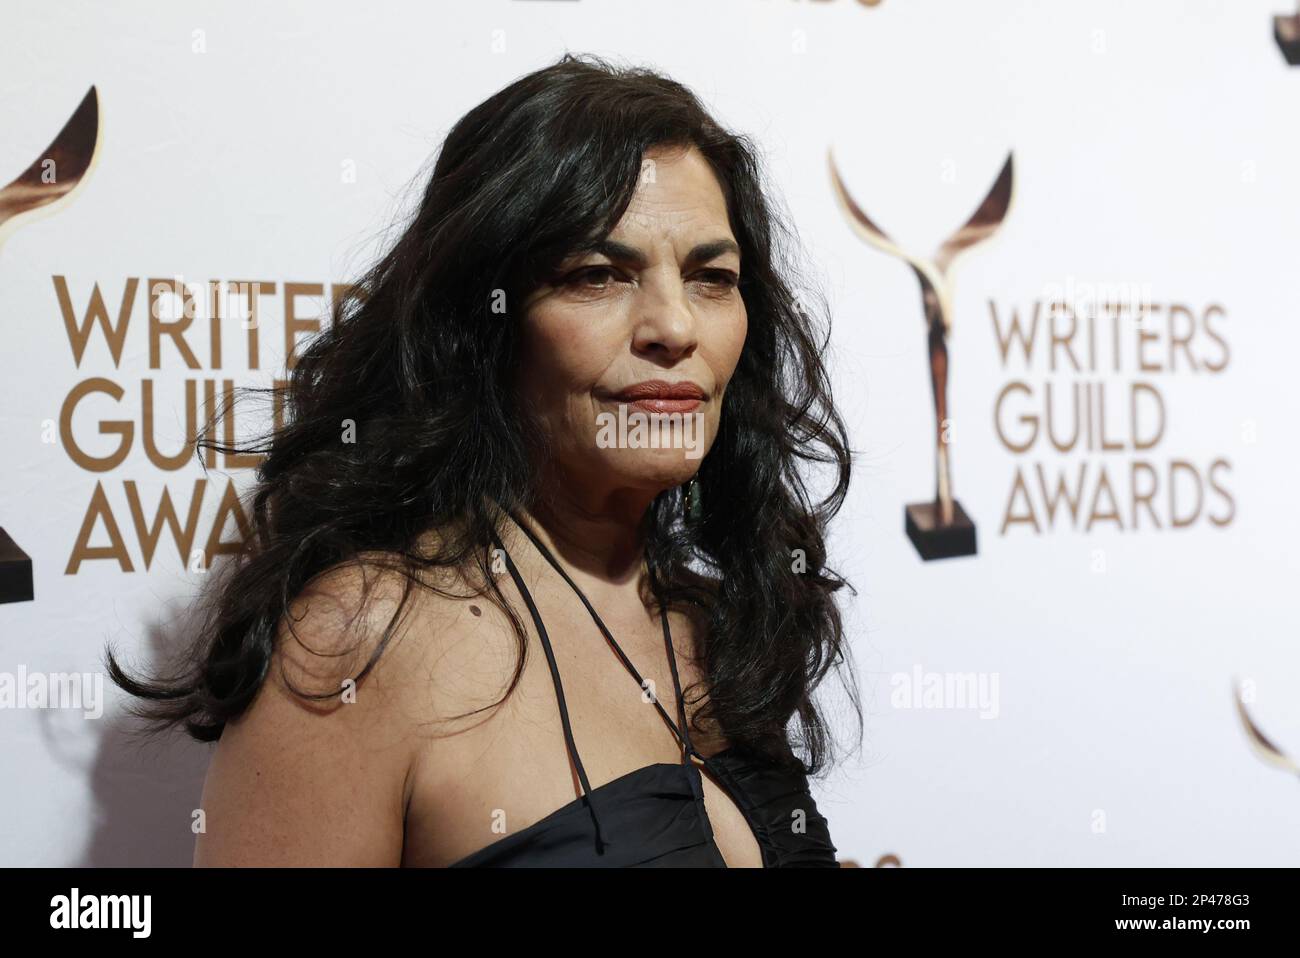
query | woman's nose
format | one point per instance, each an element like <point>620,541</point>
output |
<point>665,321</point>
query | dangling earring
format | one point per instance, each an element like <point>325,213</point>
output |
<point>692,502</point>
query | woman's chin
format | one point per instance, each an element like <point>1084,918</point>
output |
<point>651,469</point>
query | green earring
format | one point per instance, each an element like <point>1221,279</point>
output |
<point>692,502</point>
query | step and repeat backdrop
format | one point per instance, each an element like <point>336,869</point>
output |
<point>1059,241</point>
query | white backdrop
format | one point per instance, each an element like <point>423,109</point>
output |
<point>1156,148</point>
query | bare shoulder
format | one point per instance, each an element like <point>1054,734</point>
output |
<point>318,769</point>
<point>420,648</point>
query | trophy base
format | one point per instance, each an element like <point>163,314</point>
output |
<point>934,540</point>
<point>1286,30</point>
<point>15,572</point>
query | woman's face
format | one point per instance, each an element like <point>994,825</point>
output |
<point>627,356</point>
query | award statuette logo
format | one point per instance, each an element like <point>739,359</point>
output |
<point>940,529</point>
<point>1286,31</point>
<point>1263,747</point>
<point>44,187</point>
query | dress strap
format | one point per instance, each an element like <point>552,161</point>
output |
<point>683,735</point>
<point>559,688</point>
<point>677,684</point>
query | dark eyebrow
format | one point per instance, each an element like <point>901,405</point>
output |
<point>622,253</point>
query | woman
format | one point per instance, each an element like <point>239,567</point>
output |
<point>536,579</point>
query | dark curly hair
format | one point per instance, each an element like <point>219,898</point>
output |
<point>422,364</point>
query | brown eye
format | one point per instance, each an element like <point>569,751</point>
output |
<point>586,277</point>
<point>720,279</point>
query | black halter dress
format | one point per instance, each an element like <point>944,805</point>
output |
<point>654,816</point>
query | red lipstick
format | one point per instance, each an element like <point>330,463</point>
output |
<point>655,395</point>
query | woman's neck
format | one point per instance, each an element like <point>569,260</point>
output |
<point>600,536</point>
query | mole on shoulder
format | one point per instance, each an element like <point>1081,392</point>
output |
<point>475,609</point>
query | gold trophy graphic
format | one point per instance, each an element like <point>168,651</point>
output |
<point>45,186</point>
<point>940,529</point>
<point>1263,747</point>
<point>1286,31</point>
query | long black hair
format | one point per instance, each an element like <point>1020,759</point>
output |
<point>422,360</point>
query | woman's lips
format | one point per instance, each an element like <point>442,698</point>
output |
<point>662,405</point>
<point>657,396</point>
